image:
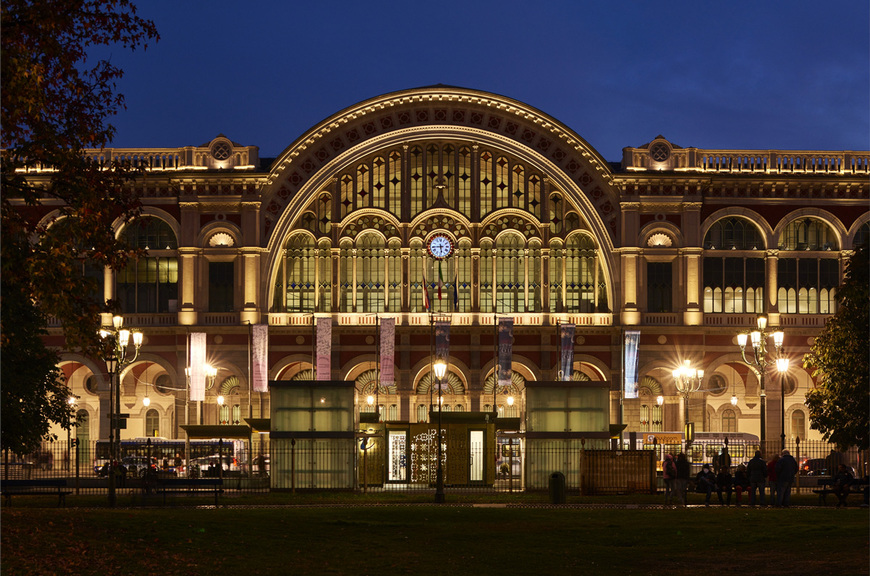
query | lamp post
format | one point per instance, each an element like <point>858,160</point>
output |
<point>782,367</point>
<point>440,368</point>
<point>687,380</point>
<point>756,357</point>
<point>72,404</point>
<point>117,355</point>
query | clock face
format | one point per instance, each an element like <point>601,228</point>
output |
<point>440,246</point>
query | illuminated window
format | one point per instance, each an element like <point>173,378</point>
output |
<point>370,274</point>
<point>807,285</point>
<point>733,285</point>
<point>581,274</point>
<point>510,285</point>
<point>296,286</point>
<point>152,423</point>
<point>149,284</point>
<point>808,234</point>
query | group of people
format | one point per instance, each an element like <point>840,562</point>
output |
<point>779,474</point>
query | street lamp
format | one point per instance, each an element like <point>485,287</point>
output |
<point>687,380</point>
<point>117,355</point>
<point>782,367</point>
<point>440,368</point>
<point>757,358</point>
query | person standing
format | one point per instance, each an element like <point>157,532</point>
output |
<point>771,478</point>
<point>757,471</point>
<point>786,469</point>
<point>723,484</point>
<point>683,472</point>
<point>669,474</point>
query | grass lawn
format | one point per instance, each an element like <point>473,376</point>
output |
<point>428,539</point>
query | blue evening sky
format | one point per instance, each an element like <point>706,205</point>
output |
<point>775,74</point>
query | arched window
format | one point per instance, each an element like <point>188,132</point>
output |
<point>862,235</point>
<point>729,421</point>
<point>808,234</point>
<point>806,283</point>
<point>581,274</point>
<point>733,284</point>
<point>733,234</point>
<point>152,423</point>
<point>370,274</point>
<point>510,284</point>
<point>149,284</point>
<point>296,283</point>
<point>422,413</point>
<point>798,425</point>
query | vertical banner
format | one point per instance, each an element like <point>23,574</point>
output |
<point>324,348</point>
<point>632,339</point>
<point>442,346</point>
<point>388,352</point>
<point>197,366</point>
<point>260,357</point>
<point>567,348</point>
<point>505,342</point>
<point>425,288</point>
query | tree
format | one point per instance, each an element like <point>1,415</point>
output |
<point>840,359</point>
<point>57,222</point>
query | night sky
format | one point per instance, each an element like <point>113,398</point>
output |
<point>791,75</point>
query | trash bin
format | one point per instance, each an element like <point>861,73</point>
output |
<point>557,488</point>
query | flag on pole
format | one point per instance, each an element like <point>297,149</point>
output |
<point>440,280</point>
<point>456,290</point>
<point>425,290</point>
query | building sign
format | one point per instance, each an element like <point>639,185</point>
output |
<point>662,438</point>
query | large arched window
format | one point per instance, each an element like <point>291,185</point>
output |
<point>510,282</point>
<point>798,425</point>
<point>370,277</point>
<point>296,281</point>
<point>581,274</point>
<point>808,272</point>
<point>733,283</point>
<point>149,284</point>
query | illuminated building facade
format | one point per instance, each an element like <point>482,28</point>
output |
<point>686,246</point>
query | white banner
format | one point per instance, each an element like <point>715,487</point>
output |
<point>632,340</point>
<point>324,348</point>
<point>260,357</point>
<point>196,364</point>
<point>387,360</point>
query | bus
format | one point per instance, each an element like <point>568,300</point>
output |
<point>170,456</point>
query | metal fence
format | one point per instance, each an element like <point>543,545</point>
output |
<point>263,467</point>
